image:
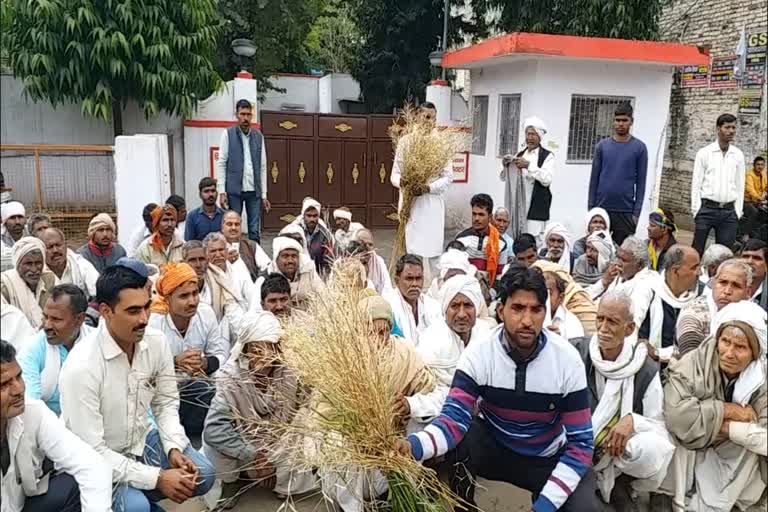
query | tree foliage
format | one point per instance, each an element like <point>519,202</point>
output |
<point>100,54</point>
<point>334,38</point>
<point>623,19</point>
<point>278,28</point>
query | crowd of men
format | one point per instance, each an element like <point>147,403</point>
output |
<point>583,367</point>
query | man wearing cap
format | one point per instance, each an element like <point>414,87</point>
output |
<point>443,342</point>
<point>345,228</point>
<point>119,374</point>
<point>163,246</point>
<point>303,277</point>
<point>194,337</point>
<point>318,238</point>
<point>661,236</point>
<point>101,250</point>
<point>28,283</point>
<point>720,402</point>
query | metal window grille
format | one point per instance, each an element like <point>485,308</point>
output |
<point>509,123</point>
<point>591,120</point>
<point>479,124</point>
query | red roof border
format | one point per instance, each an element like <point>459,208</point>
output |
<point>522,43</point>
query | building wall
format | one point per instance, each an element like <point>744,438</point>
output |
<point>316,94</point>
<point>715,24</point>
<point>546,87</point>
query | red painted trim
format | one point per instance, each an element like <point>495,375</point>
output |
<point>520,43</point>
<point>297,75</point>
<point>244,74</point>
<point>443,83</point>
<point>209,123</point>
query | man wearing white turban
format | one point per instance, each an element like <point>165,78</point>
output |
<point>14,219</point>
<point>720,401</point>
<point>452,262</point>
<point>253,386</point>
<point>317,236</point>
<point>528,176</point>
<point>286,260</point>
<point>28,283</point>
<point>443,342</point>
<point>345,229</point>
<point>595,220</point>
<point>590,266</point>
<point>557,240</point>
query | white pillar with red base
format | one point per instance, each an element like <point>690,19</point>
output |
<point>439,93</point>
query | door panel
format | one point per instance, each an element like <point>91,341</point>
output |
<point>342,127</point>
<point>330,173</point>
<point>355,172</point>
<point>359,214</point>
<point>303,171</point>
<point>380,126</point>
<point>287,125</point>
<point>383,217</point>
<point>279,216</point>
<point>381,189</point>
<point>277,170</point>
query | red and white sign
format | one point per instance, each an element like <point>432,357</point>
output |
<point>214,156</point>
<point>461,167</point>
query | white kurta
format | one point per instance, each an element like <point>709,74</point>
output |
<point>424,232</point>
<point>428,313</point>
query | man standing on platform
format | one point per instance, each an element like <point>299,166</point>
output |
<point>717,187</point>
<point>619,168</point>
<point>241,171</point>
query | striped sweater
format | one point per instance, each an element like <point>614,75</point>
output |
<point>539,409</point>
<point>475,245</point>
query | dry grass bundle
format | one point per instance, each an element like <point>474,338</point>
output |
<point>425,153</point>
<point>349,419</point>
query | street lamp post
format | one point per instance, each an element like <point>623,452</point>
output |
<point>244,49</point>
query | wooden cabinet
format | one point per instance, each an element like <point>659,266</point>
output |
<point>278,173</point>
<point>281,124</point>
<point>330,161</point>
<point>355,173</point>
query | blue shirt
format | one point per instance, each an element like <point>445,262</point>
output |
<point>618,176</point>
<point>199,224</point>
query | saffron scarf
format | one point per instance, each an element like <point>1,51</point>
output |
<point>157,215</point>
<point>492,253</point>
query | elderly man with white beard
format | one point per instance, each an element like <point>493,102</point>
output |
<point>28,284</point>
<point>442,343</point>
<point>626,399</point>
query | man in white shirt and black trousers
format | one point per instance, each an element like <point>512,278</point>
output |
<point>241,171</point>
<point>717,187</point>
<point>120,373</point>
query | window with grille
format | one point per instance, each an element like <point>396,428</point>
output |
<point>509,123</point>
<point>479,124</point>
<point>591,120</point>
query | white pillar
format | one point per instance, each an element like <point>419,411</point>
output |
<point>246,88</point>
<point>439,93</point>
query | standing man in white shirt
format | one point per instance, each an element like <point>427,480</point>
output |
<point>241,171</point>
<point>30,434</point>
<point>118,374</point>
<point>717,187</point>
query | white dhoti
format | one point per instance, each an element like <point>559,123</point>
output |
<point>351,486</point>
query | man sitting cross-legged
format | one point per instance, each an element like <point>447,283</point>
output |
<point>119,373</point>
<point>194,338</point>
<point>534,428</point>
<point>626,400</point>
<point>254,386</point>
<point>42,357</point>
<point>716,405</point>
<point>32,438</point>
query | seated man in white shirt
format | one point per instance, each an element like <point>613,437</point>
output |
<point>66,264</point>
<point>413,310</point>
<point>194,336</point>
<point>559,320</point>
<point>108,385</point>
<point>242,251</point>
<point>276,295</point>
<point>217,252</point>
<point>31,434</point>
<point>626,400</point>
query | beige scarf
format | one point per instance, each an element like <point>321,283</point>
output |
<point>222,290</point>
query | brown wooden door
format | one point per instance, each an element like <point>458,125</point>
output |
<point>355,173</point>
<point>277,170</point>
<point>381,189</point>
<point>303,171</point>
<point>330,165</point>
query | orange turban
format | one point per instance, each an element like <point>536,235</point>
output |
<point>156,215</point>
<point>173,276</point>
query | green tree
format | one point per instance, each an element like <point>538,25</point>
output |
<point>101,54</point>
<point>623,19</point>
<point>278,28</point>
<point>334,38</point>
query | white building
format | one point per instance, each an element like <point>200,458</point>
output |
<point>573,84</point>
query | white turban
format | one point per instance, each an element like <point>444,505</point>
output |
<point>24,246</point>
<point>281,243</point>
<point>342,214</point>
<point>454,259</point>
<point>555,228</point>
<point>468,286</point>
<point>749,313</point>
<point>310,203</point>
<point>260,326</point>
<point>11,209</point>
<point>294,229</point>
<point>603,244</point>
<point>537,124</point>
<point>600,213</point>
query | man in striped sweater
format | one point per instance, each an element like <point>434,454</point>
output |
<point>534,425</point>
<point>486,249</point>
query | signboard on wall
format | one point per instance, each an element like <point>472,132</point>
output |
<point>750,103</point>
<point>721,73</point>
<point>751,97</point>
<point>461,167</point>
<point>694,76</point>
<point>214,157</point>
